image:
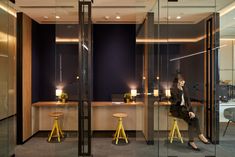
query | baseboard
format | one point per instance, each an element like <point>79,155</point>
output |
<point>110,133</point>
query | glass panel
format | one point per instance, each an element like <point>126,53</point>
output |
<point>66,77</point>
<point>185,53</point>
<point>7,79</point>
<point>226,81</point>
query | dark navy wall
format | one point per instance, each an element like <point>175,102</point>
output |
<point>114,60</point>
<point>43,66</point>
<point>69,64</point>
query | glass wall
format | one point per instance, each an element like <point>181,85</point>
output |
<point>226,81</point>
<point>7,79</point>
<point>66,78</point>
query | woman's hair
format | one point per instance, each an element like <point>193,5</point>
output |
<point>176,79</point>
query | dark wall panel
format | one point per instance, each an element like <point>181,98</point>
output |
<point>114,60</point>
<point>43,68</point>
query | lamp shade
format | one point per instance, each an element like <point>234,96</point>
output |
<point>133,92</point>
<point>168,92</point>
<point>155,92</point>
<point>58,92</point>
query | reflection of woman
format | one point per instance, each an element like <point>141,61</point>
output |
<point>181,108</point>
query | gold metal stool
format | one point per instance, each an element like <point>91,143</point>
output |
<point>120,132</point>
<point>175,132</point>
<point>56,128</point>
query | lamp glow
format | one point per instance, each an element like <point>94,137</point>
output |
<point>58,92</point>
<point>168,92</point>
<point>155,92</point>
<point>133,92</point>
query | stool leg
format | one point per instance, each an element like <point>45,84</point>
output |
<point>118,133</point>
<point>52,131</point>
<point>57,131</point>
<point>115,135</point>
<point>124,134</point>
<point>173,133</point>
<point>178,133</point>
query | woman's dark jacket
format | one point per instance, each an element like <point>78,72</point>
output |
<point>176,98</point>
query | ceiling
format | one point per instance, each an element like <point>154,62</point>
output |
<point>130,11</point>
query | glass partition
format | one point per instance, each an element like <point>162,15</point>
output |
<point>7,78</point>
<point>226,81</point>
<point>66,78</point>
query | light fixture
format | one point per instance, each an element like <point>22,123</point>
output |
<point>118,17</point>
<point>144,77</point>
<point>157,78</point>
<point>178,17</point>
<point>133,92</point>
<point>168,92</point>
<point>155,92</point>
<point>57,17</point>
<point>58,92</point>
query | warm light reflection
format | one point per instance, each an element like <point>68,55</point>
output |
<point>176,40</point>
<point>8,9</point>
<point>227,39</point>
<point>168,92</point>
<point>155,92</point>
<point>227,9</point>
<point>4,37</point>
<point>67,40</point>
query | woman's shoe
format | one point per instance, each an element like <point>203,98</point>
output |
<point>196,149</point>
<point>205,142</point>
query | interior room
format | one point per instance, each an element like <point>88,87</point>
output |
<point>97,78</point>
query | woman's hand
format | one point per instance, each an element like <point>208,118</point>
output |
<point>191,115</point>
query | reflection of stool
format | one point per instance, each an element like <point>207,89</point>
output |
<point>56,128</point>
<point>120,132</point>
<point>175,132</point>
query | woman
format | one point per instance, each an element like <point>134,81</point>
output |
<point>181,108</point>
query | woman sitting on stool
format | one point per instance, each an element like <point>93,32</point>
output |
<point>181,108</point>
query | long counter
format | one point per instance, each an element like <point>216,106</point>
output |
<point>101,115</point>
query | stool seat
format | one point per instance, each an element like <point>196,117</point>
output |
<point>119,115</point>
<point>56,127</point>
<point>120,132</point>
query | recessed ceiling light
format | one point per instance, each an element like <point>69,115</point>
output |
<point>178,17</point>
<point>118,17</point>
<point>57,17</point>
<point>45,17</point>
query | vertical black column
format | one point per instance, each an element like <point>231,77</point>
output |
<point>85,78</point>
<point>212,78</point>
<point>19,52</point>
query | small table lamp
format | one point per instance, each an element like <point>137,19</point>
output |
<point>133,94</point>
<point>58,93</point>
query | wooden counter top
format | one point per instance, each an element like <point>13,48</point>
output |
<point>111,104</point>
<point>168,103</point>
<point>93,104</point>
<point>54,104</point>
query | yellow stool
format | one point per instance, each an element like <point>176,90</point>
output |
<point>56,128</point>
<point>120,132</point>
<point>175,132</point>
